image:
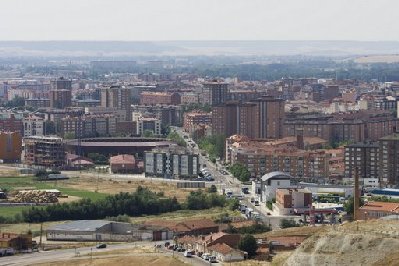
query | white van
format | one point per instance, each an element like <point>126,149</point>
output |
<point>188,254</point>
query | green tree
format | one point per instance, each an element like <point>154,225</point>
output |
<point>175,137</point>
<point>349,204</point>
<point>148,133</point>
<point>248,244</point>
<point>69,135</point>
<point>16,102</point>
<point>287,223</point>
<point>240,172</point>
<point>212,189</point>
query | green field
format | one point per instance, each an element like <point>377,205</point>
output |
<point>12,183</point>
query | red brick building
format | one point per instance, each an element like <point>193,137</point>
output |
<point>154,98</point>
<point>193,119</point>
<point>262,118</point>
<point>125,163</point>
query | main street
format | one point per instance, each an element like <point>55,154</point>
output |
<point>233,184</point>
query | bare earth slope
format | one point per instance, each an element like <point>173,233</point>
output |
<point>363,243</point>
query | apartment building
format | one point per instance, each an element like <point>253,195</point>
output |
<point>88,126</point>
<point>46,151</point>
<point>155,98</point>
<point>33,125</point>
<point>193,119</point>
<point>261,118</point>
<point>215,93</point>
<point>357,126</point>
<point>172,163</point>
<point>148,124</point>
<point>118,97</point>
<point>362,159</point>
<point>280,155</point>
<point>11,122</point>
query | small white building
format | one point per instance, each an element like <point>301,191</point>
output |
<point>272,181</point>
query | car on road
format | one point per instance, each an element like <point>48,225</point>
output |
<point>252,200</point>
<point>212,259</point>
<point>206,256</point>
<point>101,245</point>
<point>256,202</point>
<point>245,190</point>
<point>188,253</point>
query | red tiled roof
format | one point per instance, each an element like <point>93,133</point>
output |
<point>381,206</point>
<point>122,159</point>
<point>222,248</point>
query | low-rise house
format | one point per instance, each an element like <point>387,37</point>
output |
<point>125,163</point>
<point>225,253</point>
<point>16,242</point>
<point>376,210</point>
<point>189,227</point>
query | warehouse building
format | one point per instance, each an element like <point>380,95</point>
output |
<point>101,230</point>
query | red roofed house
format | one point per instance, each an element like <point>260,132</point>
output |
<point>189,227</point>
<point>376,210</point>
<point>225,253</point>
<point>125,163</point>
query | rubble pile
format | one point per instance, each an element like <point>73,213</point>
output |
<point>35,196</point>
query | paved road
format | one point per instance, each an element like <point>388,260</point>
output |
<point>70,254</point>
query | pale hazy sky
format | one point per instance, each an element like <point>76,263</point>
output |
<point>373,20</point>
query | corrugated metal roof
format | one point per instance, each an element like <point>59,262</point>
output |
<point>80,225</point>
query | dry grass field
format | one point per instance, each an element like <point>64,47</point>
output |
<point>159,260</point>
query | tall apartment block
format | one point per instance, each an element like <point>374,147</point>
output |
<point>261,118</point>
<point>60,93</point>
<point>117,97</point>
<point>216,93</point>
<point>362,159</point>
<point>389,159</point>
<point>47,151</point>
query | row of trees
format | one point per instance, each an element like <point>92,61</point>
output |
<point>214,145</point>
<point>240,172</point>
<point>141,202</point>
<point>175,137</point>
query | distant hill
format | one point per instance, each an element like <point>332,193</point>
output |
<point>177,48</point>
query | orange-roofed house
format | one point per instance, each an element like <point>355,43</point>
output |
<point>376,210</point>
<point>226,253</point>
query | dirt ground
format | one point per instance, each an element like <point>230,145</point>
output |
<point>113,187</point>
<point>358,243</point>
<point>159,260</point>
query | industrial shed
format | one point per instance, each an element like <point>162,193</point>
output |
<point>101,230</point>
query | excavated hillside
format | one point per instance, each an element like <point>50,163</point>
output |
<point>358,243</point>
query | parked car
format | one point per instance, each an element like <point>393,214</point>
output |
<point>101,245</point>
<point>252,200</point>
<point>256,202</point>
<point>188,254</point>
<point>212,259</point>
<point>206,256</point>
<point>167,244</point>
